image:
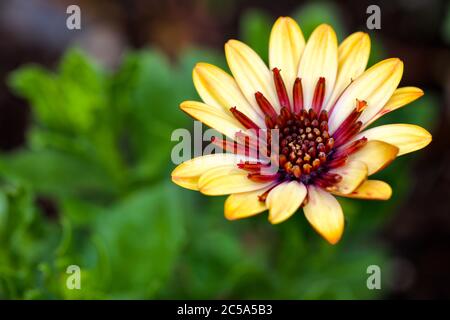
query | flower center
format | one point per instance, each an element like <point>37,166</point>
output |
<point>304,143</point>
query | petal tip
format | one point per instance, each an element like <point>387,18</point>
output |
<point>185,105</point>
<point>328,30</point>
<point>231,43</point>
<point>229,214</point>
<point>286,23</point>
<point>399,63</point>
<point>426,135</point>
<point>275,220</point>
<point>199,66</point>
<point>388,193</point>
<point>392,62</point>
<point>173,173</point>
<point>281,19</point>
<point>244,205</point>
<point>333,240</point>
<point>187,183</point>
<point>325,26</point>
<point>203,189</point>
<point>365,38</point>
<point>182,105</point>
<point>230,217</point>
<point>414,92</point>
<point>285,19</point>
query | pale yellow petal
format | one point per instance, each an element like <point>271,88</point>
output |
<point>227,179</point>
<point>190,183</point>
<point>187,173</point>
<point>319,59</point>
<point>220,120</point>
<point>353,174</point>
<point>284,200</point>
<point>324,213</point>
<point>353,54</point>
<point>218,89</point>
<point>375,86</point>
<point>377,155</point>
<point>285,49</point>
<point>400,98</point>
<point>250,72</point>
<point>370,190</point>
<point>243,205</point>
<point>406,137</point>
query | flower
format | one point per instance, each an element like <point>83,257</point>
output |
<point>320,98</point>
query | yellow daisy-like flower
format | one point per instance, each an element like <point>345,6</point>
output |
<point>320,98</point>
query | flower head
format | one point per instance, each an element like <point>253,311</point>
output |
<point>311,110</point>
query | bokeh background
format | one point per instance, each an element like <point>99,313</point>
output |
<point>85,124</point>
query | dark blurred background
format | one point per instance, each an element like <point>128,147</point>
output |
<point>417,31</point>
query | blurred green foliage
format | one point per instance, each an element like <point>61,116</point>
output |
<point>446,25</point>
<point>98,151</point>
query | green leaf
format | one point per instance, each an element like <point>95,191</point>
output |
<point>26,240</point>
<point>67,100</point>
<point>146,97</point>
<point>56,173</point>
<point>141,238</point>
